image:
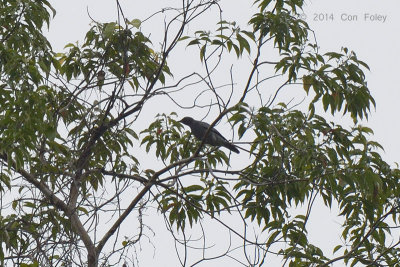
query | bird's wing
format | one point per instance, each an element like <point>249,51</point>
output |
<point>214,137</point>
<point>205,126</point>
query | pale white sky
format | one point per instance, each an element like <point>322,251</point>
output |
<point>376,43</point>
<point>351,23</point>
<point>337,23</point>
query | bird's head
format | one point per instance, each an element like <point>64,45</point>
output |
<point>187,121</point>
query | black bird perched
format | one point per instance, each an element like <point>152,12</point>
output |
<point>213,138</point>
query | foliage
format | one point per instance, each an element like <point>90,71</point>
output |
<point>75,140</point>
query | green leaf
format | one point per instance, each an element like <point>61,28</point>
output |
<point>184,38</point>
<point>50,132</point>
<point>193,188</point>
<point>243,43</point>
<point>194,42</point>
<point>271,238</point>
<point>136,23</point>
<point>202,52</point>
<point>307,82</point>
<point>337,248</point>
<point>109,29</point>
<point>84,210</point>
<point>14,204</point>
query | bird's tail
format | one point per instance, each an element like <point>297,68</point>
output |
<point>231,147</point>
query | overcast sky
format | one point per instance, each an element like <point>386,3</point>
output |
<point>369,27</point>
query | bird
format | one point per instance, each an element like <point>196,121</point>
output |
<point>214,138</point>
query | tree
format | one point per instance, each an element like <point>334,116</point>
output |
<point>74,127</point>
